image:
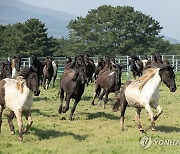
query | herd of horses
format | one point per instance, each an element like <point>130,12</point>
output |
<point>141,92</point>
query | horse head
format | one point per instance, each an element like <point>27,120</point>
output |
<point>31,77</point>
<point>168,77</point>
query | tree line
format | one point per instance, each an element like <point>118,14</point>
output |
<point>106,30</point>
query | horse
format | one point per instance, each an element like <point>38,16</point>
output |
<point>16,64</point>
<point>37,65</point>
<point>110,81</point>
<point>6,70</point>
<point>90,68</point>
<point>55,68</point>
<point>69,64</point>
<point>144,93</point>
<point>72,83</point>
<point>17,95</point>
<point>136,66</point>
<point>99,67</point>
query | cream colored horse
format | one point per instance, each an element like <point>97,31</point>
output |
<point>144,93</point>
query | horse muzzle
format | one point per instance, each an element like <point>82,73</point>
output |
<point>36,92</point>
<point>173,89</point>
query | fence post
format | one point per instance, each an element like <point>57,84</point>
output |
<point>173,60</point>
<point>127,66</point>
<point>29,61</point>
<point>176,65</point>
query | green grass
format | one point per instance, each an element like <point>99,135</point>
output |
<point>94,129</point>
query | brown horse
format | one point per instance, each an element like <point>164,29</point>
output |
<point>72,83</point>
<point>110,81</point>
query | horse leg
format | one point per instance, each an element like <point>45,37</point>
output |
<point>97,92</point>
<point>73,109</point>
<point>123,109</point>
<point>148,108</point>
<point>157,107</point>
<point>18,114</point>
<point>105,99</point>
<point>1,111</point>
<point>54,79</point>
<point>61,101</point>
<point>137,118</point>
<point>66,107</point>
<point>10,122</point>
<point>29,119</point>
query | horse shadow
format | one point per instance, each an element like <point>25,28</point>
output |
<point>49,134</point>
<point>38,112</point>
<point>37,99</point>
<point>96,115</point>
<point>167,129</point>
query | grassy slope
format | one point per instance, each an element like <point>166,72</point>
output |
<point>94,130</point>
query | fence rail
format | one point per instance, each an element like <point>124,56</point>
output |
<point>123,60</point>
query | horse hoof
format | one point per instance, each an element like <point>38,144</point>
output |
<point>92,104</point>
<point>63,118</point>
<point>20,139</point>
<point>60,111</point>
<point>153,129</point>
<point>141,130</point>
<point>12,132</point>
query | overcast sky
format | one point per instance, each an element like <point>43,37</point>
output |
<point>167,12</point>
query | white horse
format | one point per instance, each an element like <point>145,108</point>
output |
<point>144,93</point>
<point>16,94</point>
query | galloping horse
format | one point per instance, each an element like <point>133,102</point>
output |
<point>37,65</point>
<point>136,66</point>
<point>48,72</point>
<point>99,67</point>
<point>6,70</point>
<point>144,93</point>
<point>90,68</point>
<point>110,81</point>
<point>72,83</point>
<point>16,64</point>
<point>16,94</point>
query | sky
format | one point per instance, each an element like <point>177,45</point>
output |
<point>167,12</point>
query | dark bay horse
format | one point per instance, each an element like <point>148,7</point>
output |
<point>144,93</point>
<point>100,65</point>
<point>136,66</point>
<point>48,72</point>
<point>6,70</point>
<point>72,83</point>
<point>17,95</point>
<point>37,65</point>
<point>110,81</point>
<point>90,68</point>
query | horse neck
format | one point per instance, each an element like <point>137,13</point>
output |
<point>154,82</point>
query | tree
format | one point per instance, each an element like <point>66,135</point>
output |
<point>35,37</point>
<point>111,30</point>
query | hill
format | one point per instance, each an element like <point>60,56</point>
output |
<point>12,11</point>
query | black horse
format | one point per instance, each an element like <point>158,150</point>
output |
<point>90,68</point>
<point>136,66</point>
<point>72,83</point>
<point>6,70</point>
<point>110,81</point>
<point>37,65</point>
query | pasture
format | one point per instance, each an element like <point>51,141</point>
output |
<point>94,130</point>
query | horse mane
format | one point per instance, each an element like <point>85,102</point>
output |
<point>149,73</point>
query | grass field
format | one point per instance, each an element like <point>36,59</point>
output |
<point>94,129</point>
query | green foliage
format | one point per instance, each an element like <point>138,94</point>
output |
<point>118,30</point>
<point>24,38</point>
